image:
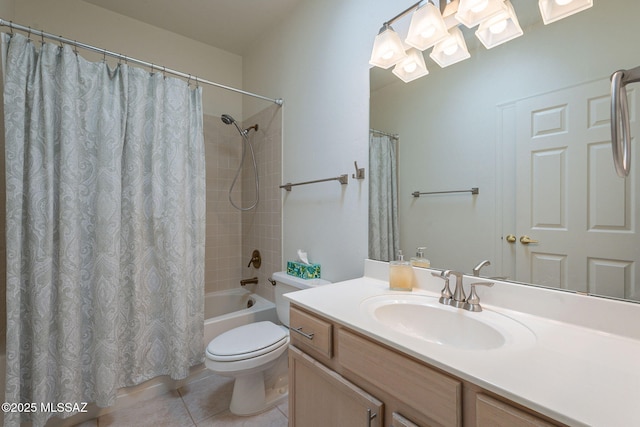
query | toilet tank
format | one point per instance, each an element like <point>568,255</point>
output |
<point>285,284</point>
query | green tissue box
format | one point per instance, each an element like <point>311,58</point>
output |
<point>303,271</point>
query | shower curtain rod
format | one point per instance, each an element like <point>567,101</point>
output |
<point>390,135</point>
<point>42,34</point>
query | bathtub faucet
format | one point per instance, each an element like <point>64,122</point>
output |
<point>249,281</point>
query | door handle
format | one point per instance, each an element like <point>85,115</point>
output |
<point>510,238</point>
<point>525,240</point>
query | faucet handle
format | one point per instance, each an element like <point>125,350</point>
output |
<point>473,302</point>
<point>445,293</point>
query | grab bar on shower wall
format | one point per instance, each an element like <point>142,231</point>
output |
<point>620,130</point>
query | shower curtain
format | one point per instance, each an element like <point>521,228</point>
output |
<point>105,227</point>
<point>384,233</point>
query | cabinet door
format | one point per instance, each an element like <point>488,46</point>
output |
<point>319,397</point>
<point>494,413</point>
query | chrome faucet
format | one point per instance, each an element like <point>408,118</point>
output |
<point>459,296</point>
<point>476,269</point>
<point>473,302</point>
<point>445,293</point>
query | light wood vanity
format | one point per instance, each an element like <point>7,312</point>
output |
<point>338,377</point>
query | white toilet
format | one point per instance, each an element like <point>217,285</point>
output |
<point>256,354</point>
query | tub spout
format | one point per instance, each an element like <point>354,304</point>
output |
<point>249,281</point>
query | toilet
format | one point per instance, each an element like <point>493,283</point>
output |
<point>256,354</point>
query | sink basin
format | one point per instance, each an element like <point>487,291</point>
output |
<point>423,317</point>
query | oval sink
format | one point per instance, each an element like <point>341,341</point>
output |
<point>423,317</point>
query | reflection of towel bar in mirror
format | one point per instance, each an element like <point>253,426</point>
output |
<point>620,133</point>
<point>343,179</point>
<point>474,190</point>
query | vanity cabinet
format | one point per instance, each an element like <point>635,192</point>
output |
<point>338,377</point>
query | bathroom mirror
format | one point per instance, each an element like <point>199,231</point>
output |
<point>508,121</point>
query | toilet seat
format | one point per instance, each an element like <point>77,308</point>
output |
<point>247,342</point>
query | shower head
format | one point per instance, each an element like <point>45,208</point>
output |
<point>227,119</point>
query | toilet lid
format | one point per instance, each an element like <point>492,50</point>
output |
<point>247,341</point>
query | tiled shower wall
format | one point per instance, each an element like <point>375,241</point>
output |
<point>223,239</point>
<point>232,235</point>
<point>262,227</point>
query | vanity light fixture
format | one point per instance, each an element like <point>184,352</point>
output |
<point>426,28</point>
<point>553,10</point>
<point>500,28</point>
<point>387,48</point>
<point>473,12</point>
<point>497,22</point>
<point>411,67</point>
<point>451,50</point>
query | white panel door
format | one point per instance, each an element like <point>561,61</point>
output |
<point>569,198</point>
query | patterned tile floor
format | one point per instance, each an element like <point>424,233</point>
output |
<point>202,403</point>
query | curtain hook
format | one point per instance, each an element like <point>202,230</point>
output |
<point>152,68</point>
<point>197,84</point>
<point>104,56</point>
<point>75,47</point>
<point>29,34</point>
<point>42,37</point>
<point>164,72</point>
<point>11,27</point>
<point>189,80</point>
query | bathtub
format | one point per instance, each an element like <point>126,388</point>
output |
<point>225,310</point>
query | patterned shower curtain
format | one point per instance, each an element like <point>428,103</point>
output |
<point>384,233</point>
<point>105,181</point>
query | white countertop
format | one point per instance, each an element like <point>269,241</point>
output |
<point>582,369</point>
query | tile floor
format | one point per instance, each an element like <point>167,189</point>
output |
<point>202,403</point>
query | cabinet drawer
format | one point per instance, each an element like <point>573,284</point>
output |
<point>494,413</point>
<point>310,333</point>
<point>437,396</point>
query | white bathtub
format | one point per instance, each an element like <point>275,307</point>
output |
<point>224,310</point>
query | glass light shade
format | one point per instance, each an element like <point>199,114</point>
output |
<point>427,27</point>
<point>387,48</point>
<point>411,67</point>
<point>553,10</point>
<point>450,50</point>
<point>472,12</point>
<point>500,28</point>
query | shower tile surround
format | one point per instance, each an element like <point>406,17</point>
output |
<point>262,227</point>
<point>233,235</point>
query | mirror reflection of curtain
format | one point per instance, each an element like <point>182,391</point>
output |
<point>384,232</point>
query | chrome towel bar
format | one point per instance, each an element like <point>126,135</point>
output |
<point>343,179</point>
<point>620,131</point>
<point>474,190</point>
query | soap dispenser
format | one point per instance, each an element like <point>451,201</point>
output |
<point>419,260</point>
<point>400,274</point>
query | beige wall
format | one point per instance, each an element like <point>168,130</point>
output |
<point>78,20</point>
<point>317,61</point>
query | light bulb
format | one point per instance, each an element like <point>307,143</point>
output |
<point>563,2</point>
<point>410,67</point>
<point>428,31</point>
<point>481,5</point>
<point>498,27</point>
<point>450,47</point>
<point>387,54</point>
